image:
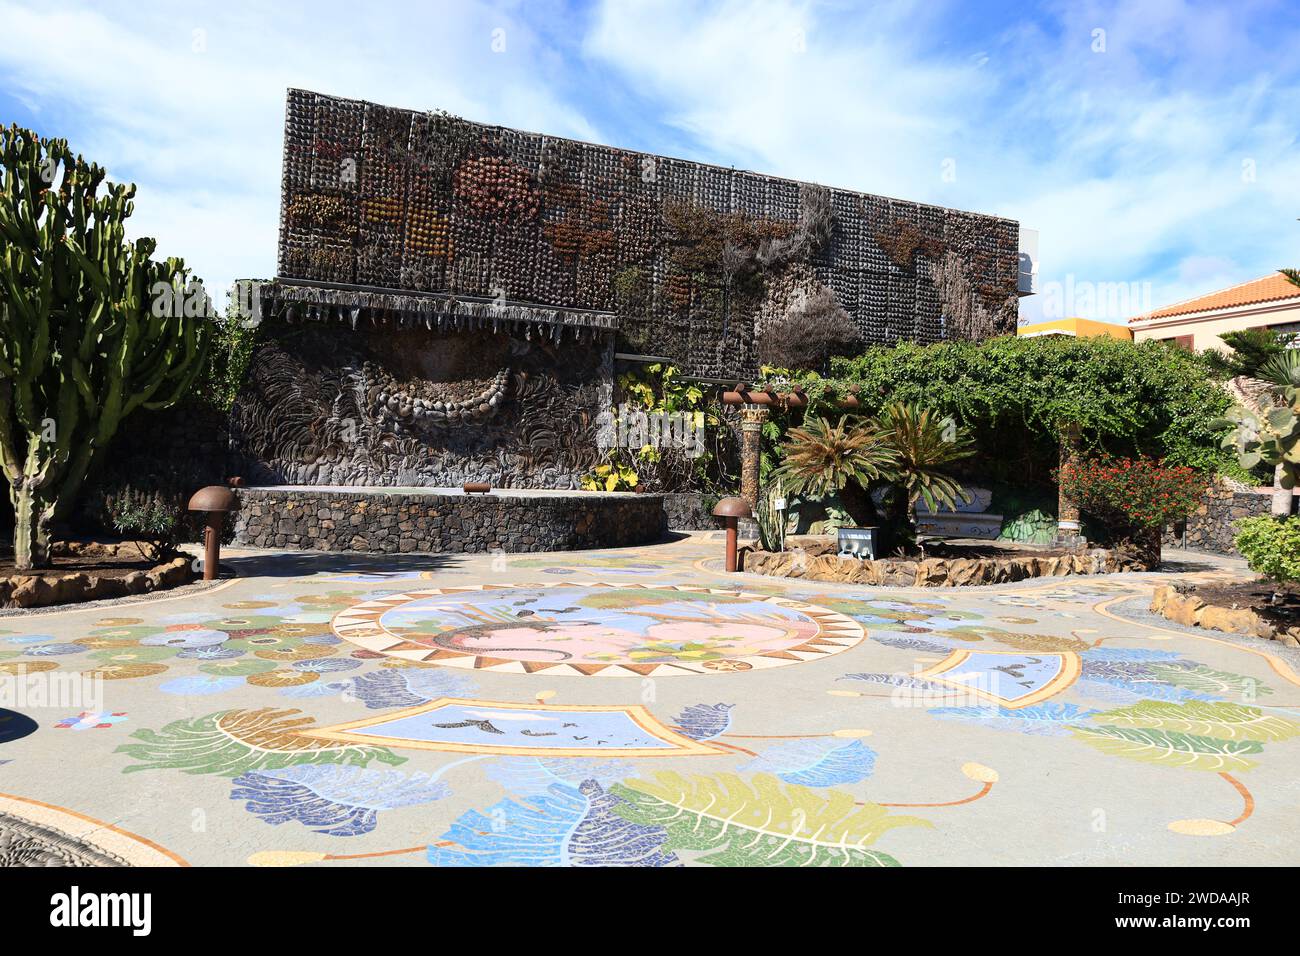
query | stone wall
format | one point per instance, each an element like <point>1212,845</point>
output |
<point>398,523</point>
<point>390,405</point>
<point>1212,526</point>
<point>690,511</point>
<point>818,562</point>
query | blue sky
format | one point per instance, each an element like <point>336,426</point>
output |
<point>1151,142</point>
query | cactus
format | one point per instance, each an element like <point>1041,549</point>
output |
<point>87,334</point>
<point>1266,434</point>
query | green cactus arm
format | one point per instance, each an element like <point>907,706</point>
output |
<point>9,462</point>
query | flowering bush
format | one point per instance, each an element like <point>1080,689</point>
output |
<point>1144,493</point>
<point>1271,546</point>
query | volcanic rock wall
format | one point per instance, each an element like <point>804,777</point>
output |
<point>328,405</point>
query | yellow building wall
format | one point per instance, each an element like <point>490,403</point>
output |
<point>1082,328</point>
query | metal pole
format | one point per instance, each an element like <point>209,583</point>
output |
<point>212,546</point>
<point>731,545</point>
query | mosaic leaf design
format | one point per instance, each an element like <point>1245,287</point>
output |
<point>1044,720</point>
<point>705,721</point>
<point>1128,690</point>
<point>1207,719</point>
<point>232,742</point>
<point>565,826</point>
<point>200,684</point>
<point>524,776</point>
<point>1041,643</point>
<point>1118,670</point>
<point>761,822</point>
<point>408,687</point>
<point>1104,653</point>
<point>1172,748</point>
<point>816,762</point>
<point>912,644</point>
<point>899,680</point>
<point>333,799</point>
<point>1206,680</point>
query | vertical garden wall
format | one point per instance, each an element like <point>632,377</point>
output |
<point>707,266</point>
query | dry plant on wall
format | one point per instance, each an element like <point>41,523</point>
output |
<point>811,232</point>
<point>968,317</point>
<point>812,329</point>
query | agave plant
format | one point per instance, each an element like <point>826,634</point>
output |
<point>923,444</point>
<point>770,519</point>
<point>1282,370</point>
<point>822,459</point>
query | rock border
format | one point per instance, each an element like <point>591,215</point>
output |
<point>49,588</point>
<point>934,572</point>
<point>1190,611</point>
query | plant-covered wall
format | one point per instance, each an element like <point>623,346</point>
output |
<point>708,267</point>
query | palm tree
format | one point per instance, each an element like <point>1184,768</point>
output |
<point>923,444</point>
<point>822,459</point>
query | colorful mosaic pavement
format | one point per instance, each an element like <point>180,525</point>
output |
<point>458,712</point>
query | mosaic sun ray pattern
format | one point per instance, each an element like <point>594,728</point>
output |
<point>592,628</point>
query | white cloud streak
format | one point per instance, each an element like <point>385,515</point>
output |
<point>1168,158</point>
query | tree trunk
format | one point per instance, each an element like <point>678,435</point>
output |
<point>1148,542</point>
<point>1281,496</point>
<point>32,515</point>
<point>857,502</point>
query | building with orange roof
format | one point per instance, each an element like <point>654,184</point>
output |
<point>1272,302</point>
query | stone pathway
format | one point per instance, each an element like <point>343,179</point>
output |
<point>640,707</point>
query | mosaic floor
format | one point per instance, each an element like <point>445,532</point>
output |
<point>638,707</point>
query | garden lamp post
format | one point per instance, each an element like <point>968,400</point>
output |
<point>731,510</point>
<point>216,500</point>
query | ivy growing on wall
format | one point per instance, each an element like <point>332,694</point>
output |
<point>1016,393</point>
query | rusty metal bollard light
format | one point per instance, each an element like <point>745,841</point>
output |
<point>216,500</point>
<point>731,510</point>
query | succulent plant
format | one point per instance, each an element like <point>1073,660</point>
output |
<point>83,342</point>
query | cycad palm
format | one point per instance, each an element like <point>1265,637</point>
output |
<point>923,444</point>
<point>822,459</point>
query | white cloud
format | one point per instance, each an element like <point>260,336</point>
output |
<point>1130,161</point>
<point>196,119</point>
<point>1134,163</point>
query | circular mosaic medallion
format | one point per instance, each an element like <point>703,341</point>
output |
<point>591,627</point>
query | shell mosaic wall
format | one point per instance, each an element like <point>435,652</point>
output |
<point>687,261</point>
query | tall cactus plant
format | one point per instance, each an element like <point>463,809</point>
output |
<point>88,331</point>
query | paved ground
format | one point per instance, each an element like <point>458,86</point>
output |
<point>639,707</point>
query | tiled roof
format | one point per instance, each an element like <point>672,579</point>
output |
<point>1268,289</point>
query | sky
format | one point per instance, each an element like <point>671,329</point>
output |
<point>1151,143</point>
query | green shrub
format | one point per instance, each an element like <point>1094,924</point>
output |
<point>154,517</point>
<point>1271,546</point>
<point>1142,492</point>
<point>1014,395</point>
